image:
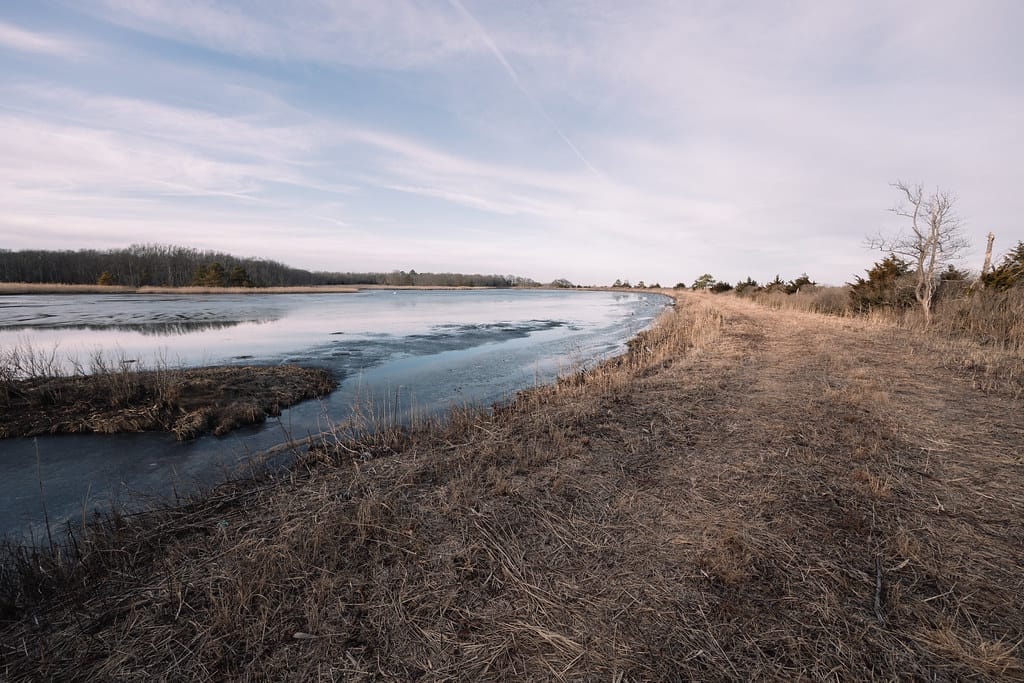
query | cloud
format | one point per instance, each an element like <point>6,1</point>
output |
<point>736,138</point>
<point>16,38</point>
<point>514,76</point>
<point>390,33</point>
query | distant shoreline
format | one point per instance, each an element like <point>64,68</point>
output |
<point>57,288</point>
<point>12,288</point>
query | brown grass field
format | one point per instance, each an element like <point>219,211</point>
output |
<point>748,493</point>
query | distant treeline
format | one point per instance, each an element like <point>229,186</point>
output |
<point>157,265</point>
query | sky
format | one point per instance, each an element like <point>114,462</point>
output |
<point>594,141</point>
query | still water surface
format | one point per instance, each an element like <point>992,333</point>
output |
<point>391,351</point>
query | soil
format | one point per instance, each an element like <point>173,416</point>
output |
<point>186,402</point>
<point>750,493</point>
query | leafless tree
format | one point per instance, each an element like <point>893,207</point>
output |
<point>934,241</point>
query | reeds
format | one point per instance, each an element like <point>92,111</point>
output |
<point>44,393</point>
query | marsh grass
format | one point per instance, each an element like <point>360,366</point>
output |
<point>43,393</point>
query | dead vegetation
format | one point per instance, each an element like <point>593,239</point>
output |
<point>745,494</point>
<point>37,398</point>
<point>989,317</point>
<point>978,335</point>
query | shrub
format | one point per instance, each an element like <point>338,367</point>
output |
<point>795,285</point>
<point>776,285</point>
<point>748,286</point>
<point>704,281</point>
<point>1009,273</point>
<point>887,285</point>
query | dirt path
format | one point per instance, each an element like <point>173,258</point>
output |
<point>755,493</point>
<point>823,454</point>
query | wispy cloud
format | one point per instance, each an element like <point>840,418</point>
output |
<point>514,76</point>
<point>16,38</point>
<point>391,33</point>
<point>736,138</point>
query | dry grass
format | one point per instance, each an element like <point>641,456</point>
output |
<point>979,336</point>
<point>828,300</point>
<point>989,317</point>
<point>37,396</point>
<point>745,494</point>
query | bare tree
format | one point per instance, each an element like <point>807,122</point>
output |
<point>980,282</point>
<point>935,239</point>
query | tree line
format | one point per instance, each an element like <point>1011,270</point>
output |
<point>158,265</point>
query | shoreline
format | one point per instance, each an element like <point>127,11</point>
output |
<point>745,490</point>
<point>23,288</point>
<point>12,288</point>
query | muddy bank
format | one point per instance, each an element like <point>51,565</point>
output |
<point>186,402</point>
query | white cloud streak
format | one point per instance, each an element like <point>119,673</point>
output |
<point>741,139</point>
<point>16,38</point>
<point>514,76</point>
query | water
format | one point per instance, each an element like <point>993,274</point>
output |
<point>394,352</point>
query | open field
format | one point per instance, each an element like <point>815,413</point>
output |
<point>748,493</point>
<point>118,399</point>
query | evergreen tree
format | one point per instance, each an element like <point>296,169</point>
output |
<point>704,281</point>
<point>1009,273</point>
<point>885,285</point>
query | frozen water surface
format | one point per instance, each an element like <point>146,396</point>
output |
<point>393,351</point>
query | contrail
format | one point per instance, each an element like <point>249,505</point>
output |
<point>500,56</point>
